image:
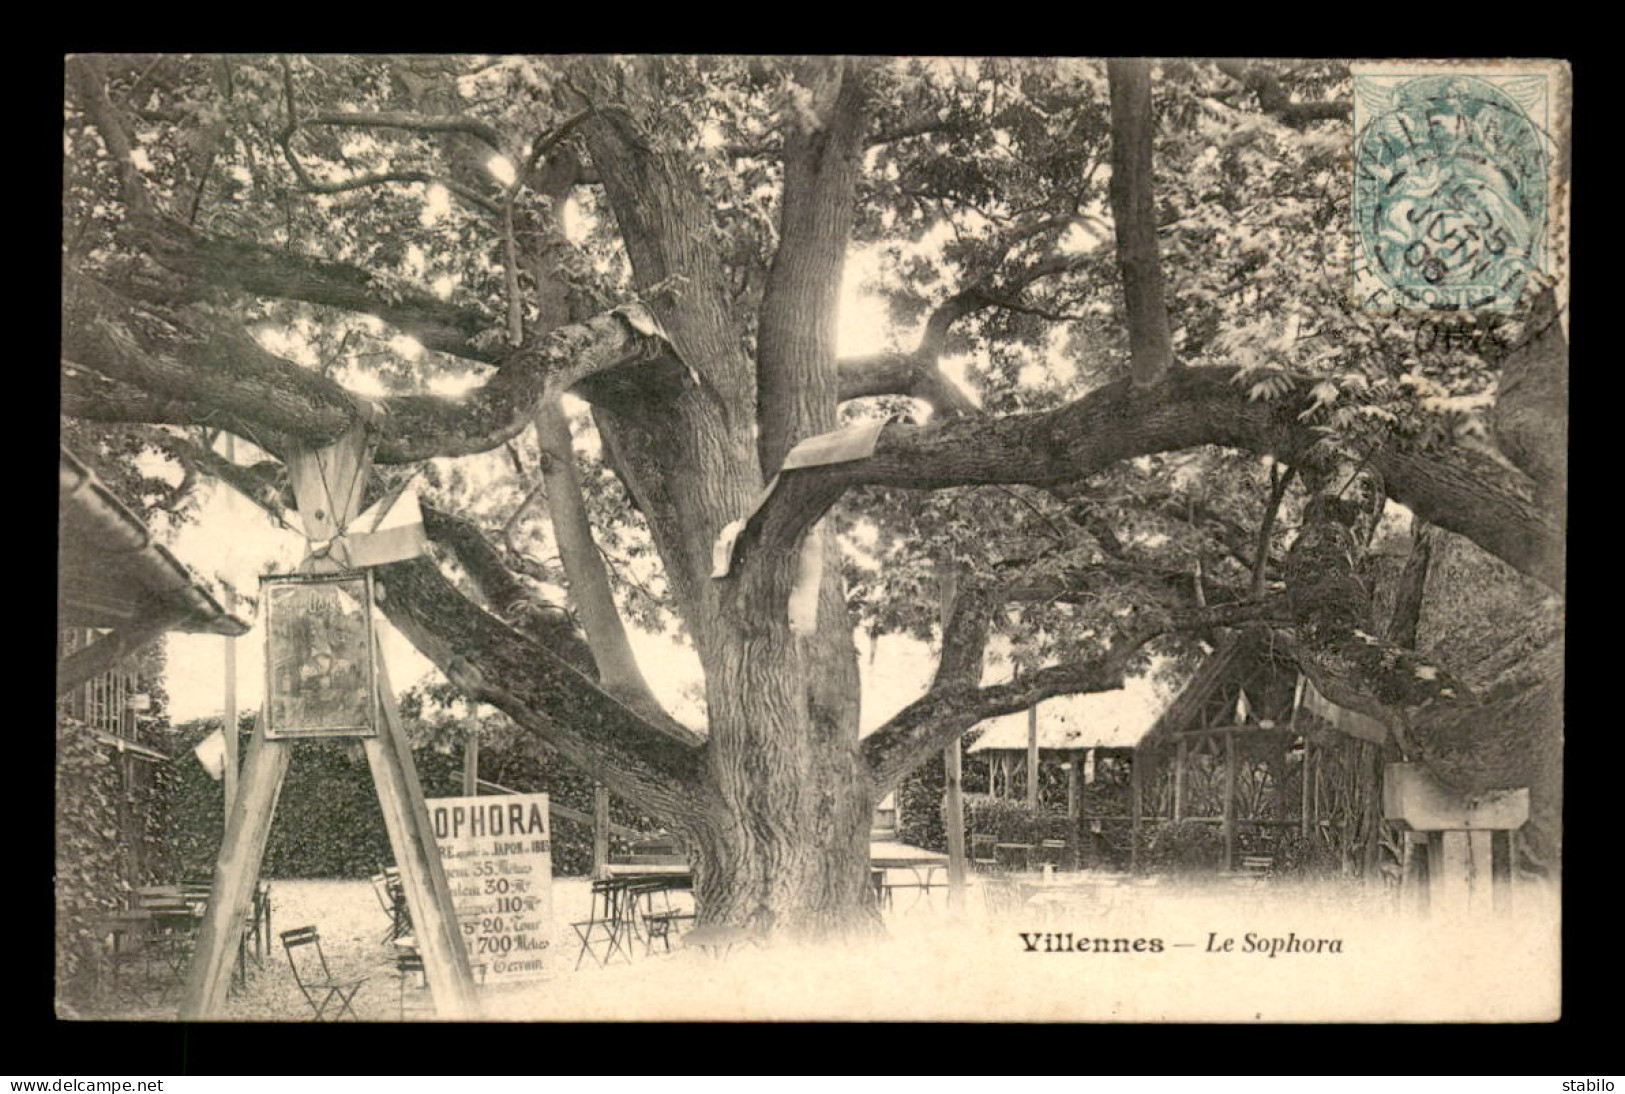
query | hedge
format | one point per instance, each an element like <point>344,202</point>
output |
<point>328,823</point>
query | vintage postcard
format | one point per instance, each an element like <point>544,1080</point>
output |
<point>752,537</point>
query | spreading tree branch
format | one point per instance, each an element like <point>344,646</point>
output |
<point>526,673</point>
<point>206,364</point>
<point>88,78</point>
<point>918,373</point>
<point>1457,489</point>
<point>1274,99</point>
<point>211,263</point>
<point>493,662</point>
<point>415,123</point>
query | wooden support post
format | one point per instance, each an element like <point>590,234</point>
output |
<point>1373,814</point>
<point>1449,864</point>
<point>1481,873</point>
<point>1229,813</point>
<point>1469,863</point>
<point>471,762</point>
<point>954,820</point>
<point>1315,800</point>
<point>1306,776</point>
<point>600,831</point>
<point>236,873</point>
<point>228,729</point>
<point>1503,872</point>
<point>1179,779</point>
<point>1032,756</point>
<point>1074,810</point>
<point>1136,792</point>
<point>428,895</point>
<point>1408,891</point>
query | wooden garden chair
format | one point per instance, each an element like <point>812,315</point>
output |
<point>981,853</point>
<point>315,980</point>
<point>877,885</point>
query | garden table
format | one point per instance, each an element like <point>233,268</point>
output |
<point>647,870</point>
<point>927,868</point>
<point>128,934</point>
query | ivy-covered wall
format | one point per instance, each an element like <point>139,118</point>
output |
<point>112,822</point>
<point>110,831</point>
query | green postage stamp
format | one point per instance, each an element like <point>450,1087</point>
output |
<point>1458,192</point>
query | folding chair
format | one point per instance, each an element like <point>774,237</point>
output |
<point>658,922</point>
<point>981,852</point>
<point>390,893</point>
<point>601,933</point>
<point>399,909</point>
<point>323,986</point>
<point>380,892</point>
<point>409,963</point>
<point>174,925</point>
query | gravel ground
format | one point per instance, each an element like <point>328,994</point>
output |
<point>930,965</point>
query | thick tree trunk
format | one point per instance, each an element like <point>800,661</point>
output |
<point>785,848</point>
<point>782,822</point>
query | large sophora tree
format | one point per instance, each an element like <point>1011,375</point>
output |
<point>1141,266</point>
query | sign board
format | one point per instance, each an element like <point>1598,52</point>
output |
<point>320,679</point>
<point>498,856</point>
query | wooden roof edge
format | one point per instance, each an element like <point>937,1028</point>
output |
<point>1054,748</point>
<point>156,569</point>
<point>1190,699</point>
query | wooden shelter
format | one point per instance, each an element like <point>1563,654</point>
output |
<point>1083,731</point>
<point>118,591</point>
<point>1249,745</point>
<point>1091,738</point>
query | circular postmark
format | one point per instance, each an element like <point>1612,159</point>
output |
<point>1450,195</point>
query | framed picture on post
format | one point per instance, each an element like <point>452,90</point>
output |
<point>320,678</point>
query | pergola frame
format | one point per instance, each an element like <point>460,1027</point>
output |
<point>1338,777</point>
